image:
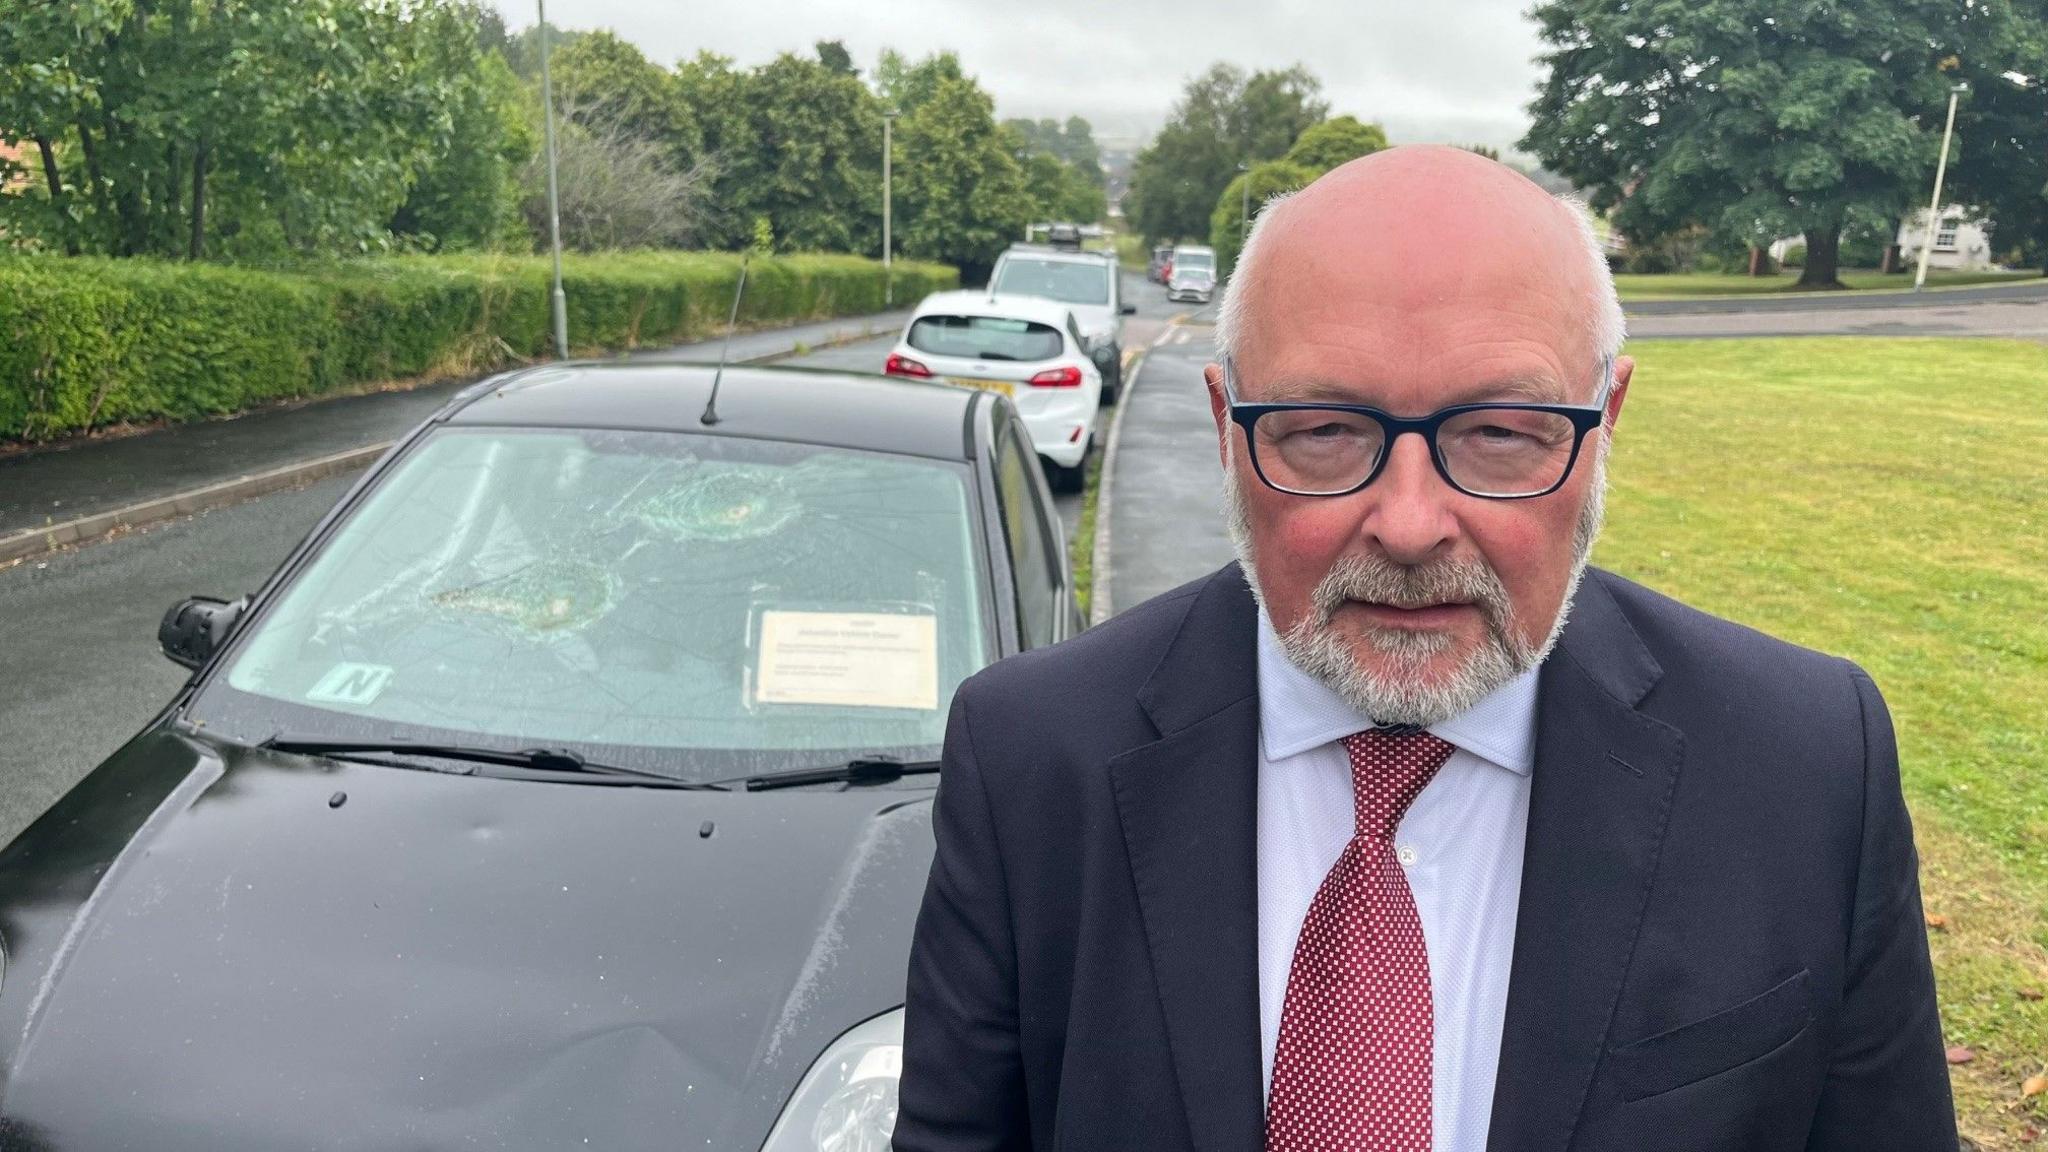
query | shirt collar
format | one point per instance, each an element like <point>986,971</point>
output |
<point>1297,712</point>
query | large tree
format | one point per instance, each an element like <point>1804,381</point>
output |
<point>1223,119</point>
<point>1754,117</point>
<point>796,142</point>
<point>601,79</point>
<point>2002,166</point>
<point>1062,168</point>
<point>1336,141</point>
<point>163,126</point>
<point>961,195</point>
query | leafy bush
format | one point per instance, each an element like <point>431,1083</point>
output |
<point>89,342</point>
<point>1794,257</point>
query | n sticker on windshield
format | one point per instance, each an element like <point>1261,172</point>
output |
<point>351,684</point>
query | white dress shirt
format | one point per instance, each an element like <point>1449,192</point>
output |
<point>1460,845</point>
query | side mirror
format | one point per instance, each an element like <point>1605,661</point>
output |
<point>1129,309</point>
<point>194,629</point>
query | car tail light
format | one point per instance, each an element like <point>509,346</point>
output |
<point>905,366</point>
<point>1067,377</point>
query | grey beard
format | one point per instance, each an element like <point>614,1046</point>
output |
<point>1401,695</point>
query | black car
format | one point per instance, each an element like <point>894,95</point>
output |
<point>567,787</point>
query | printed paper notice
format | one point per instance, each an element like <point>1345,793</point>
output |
<point>853,659</point>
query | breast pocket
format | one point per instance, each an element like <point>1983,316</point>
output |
<point>1728,1039</point>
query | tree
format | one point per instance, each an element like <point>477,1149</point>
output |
<point>601,79</point>
<point>1274,110</point>
<point>1267,180</point>
<point>1061,168</point>
<point>798,141</point>
<point>1072,143</point>
<point>834,56</point>
<point>1751,116</point>
<point>165,127</point>
<point>467,193</point>
<point>960,193</point>
<point>1326,145</point>
<point>618,189</point>
<point>1222,119</point>
<point>2003,165</point>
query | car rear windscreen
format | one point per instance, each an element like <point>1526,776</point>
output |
<point>985,338</point>
<point>1192,260</point>
<point>1067,281</point>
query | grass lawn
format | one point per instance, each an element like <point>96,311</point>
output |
<point>1887,500</point>
<point>1677,285</point>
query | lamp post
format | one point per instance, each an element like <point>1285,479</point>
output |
<point>1940,171</point>
<point>547,98</point>
<point>1244,209</point>
<point>888,205</point>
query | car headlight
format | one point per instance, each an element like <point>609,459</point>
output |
<point>847,1101</point>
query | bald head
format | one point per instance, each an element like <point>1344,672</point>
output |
<point>1423,244</point>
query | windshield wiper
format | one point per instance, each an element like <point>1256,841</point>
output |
<point>864,770</point>
<point>556,761</point>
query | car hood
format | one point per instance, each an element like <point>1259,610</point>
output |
<point>300,953</point>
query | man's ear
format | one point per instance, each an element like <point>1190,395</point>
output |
<point>1219,408</point>
<point>1624,370</point>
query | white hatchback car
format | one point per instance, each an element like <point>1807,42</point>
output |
<point>1024,347</point>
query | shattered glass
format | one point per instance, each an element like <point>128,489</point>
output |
<point>604,589</point>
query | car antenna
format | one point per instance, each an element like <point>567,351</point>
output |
<point>710,416</point>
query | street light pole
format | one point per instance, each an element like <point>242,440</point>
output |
<point>547,98</point>
<point>888,203</point>
<point>1940,171</point>
<point>1244,210</point>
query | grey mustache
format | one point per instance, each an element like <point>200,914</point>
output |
<point>1377,580</point>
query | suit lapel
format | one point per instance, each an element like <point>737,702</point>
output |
<point>1599,801</point>
<point>1188,807</point>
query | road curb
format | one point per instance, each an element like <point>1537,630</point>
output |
<point>1099,608</point>
<point>85,529</point>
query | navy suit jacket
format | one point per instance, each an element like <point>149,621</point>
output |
<point>1719,943</point>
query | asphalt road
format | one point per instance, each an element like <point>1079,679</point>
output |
<point>78,628</point>
<point>78,633</point>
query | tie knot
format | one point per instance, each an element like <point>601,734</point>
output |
<point>1388,771</point>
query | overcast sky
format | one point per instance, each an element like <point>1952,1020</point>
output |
<point>1457,72</point>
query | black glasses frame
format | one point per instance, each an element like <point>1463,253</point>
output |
<point>1584,417</point>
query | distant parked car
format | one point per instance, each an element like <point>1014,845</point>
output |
<point>1089,284</point>
<point>568,786</point>
<point>1025,348</point>
<point>1162,261</point>
<point>1065,237</point>
<point>1192,276</point>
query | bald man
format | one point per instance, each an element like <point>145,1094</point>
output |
<point>1409,831</point>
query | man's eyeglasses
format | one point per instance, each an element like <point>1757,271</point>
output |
<point>1494,451</point>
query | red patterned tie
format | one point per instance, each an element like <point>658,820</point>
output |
<point>1352,1071</point>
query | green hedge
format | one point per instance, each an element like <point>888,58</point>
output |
<point>85,343</point>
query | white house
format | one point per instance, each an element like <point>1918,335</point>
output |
<point>1959,242</point>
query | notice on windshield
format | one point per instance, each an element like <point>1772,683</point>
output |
<point>851,659</point>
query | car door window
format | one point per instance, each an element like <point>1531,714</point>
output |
<point>1032,554</point>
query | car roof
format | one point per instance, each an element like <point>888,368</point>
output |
<point>1194,248</point>
<point>980,303</point>
<point>801,405</point>
<point>1070,254</point>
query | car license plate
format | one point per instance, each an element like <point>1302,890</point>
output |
<point>1002,386</point>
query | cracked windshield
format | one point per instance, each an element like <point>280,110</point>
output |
<point>748,600</point>
<point>926,575</point>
